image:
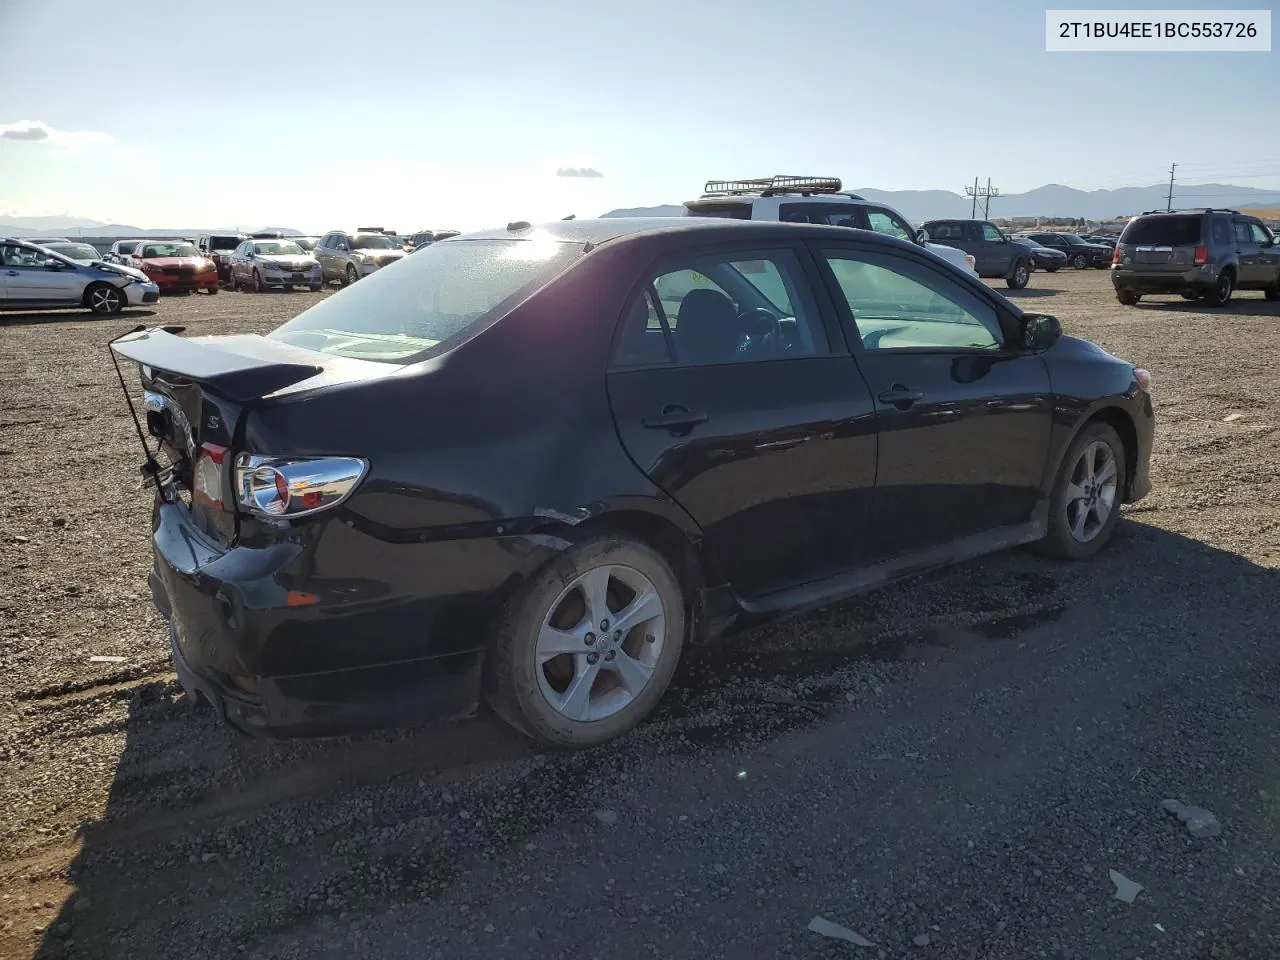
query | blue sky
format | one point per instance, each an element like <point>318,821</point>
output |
<point>324,113</point>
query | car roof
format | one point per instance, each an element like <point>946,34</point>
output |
<point>600,230</point>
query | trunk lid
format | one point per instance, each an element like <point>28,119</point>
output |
<point>196,393</point>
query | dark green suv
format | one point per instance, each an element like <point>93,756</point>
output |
<point>1203,255</point>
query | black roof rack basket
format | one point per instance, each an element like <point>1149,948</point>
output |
<point>768,186</point>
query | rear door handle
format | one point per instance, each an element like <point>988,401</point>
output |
<point>900,396</point>
<point>674,416</point>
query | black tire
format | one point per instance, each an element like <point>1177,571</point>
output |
<point>1079,261</point>
<point>1050,269</point>
<point>257,283</point>
<point>1020,276</point>
<point>1060,541</point>
<point>1273,292</point>
<point>350,276</point>
<point>513,679</point>
<point>104,299</point>
<point>1219,294</point>
<point>211,291</point>
<point>1127,297</point>
<point>315,288</point>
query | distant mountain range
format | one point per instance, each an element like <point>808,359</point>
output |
<point>73,227</point>
<point>1051,200</point>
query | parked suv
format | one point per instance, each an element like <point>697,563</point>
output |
<point>1202,255</point>
<point>1080,253</point>
<point>811,200</point>
<point>219,248</point>
<point>996,254</point>
<point>121,251</point>
<point>346,257</point>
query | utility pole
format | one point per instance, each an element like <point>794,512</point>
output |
<point>985,193</point>
<point>1168,207</point>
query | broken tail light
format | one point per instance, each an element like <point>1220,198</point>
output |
<point>209,476</point>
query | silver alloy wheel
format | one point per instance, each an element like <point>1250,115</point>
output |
<point>1091,491</point>
<point>1021,275</point>
<point>257,282</point>
<point>105,299</point>
<point>352,276</point>
<point>600,642</point>
<point>1080,261</point>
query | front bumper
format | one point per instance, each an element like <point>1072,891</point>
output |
<point>176,283</point>
<point>331,630</point>
<point>291,279</point>
<point>138,293</point>
<point>1192,280</point>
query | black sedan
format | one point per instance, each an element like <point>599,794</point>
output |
<point>1080,253</point>
<point>534,464</point>
<point>1046,258</point>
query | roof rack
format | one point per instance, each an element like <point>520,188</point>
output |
<point>1193,210</point>
<point>769,186</point>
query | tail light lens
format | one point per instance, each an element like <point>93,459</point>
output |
<point>1202,255</point>
<point>209,476</point>
<point>295,487</point>
<point>1115,253</point>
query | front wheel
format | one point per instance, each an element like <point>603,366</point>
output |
<point>1079,261</point>
<point>211,290</point>
<point>1085,504</point>
<point>351,276</point>
<point>1273,292</point>
<point>1020,276</point>
<point>586,648</point>
<point>104,299</point>
<point>1128,297</point>
<point>1220,294</point>
<point>315,288</point>
<point>1050,269</point>
<point>257,283</point>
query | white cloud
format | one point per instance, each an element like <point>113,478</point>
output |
<point>38,130</point>
<point>590,173</point>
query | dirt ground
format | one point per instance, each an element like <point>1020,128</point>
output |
<point>951,767</point>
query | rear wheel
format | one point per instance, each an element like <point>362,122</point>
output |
<point>351,275</point>
<point>1020,276</point>
<point>586,648</point>
<point>1220,294</point>
<point>257,283</point>
<point>1128,297</point>
<point>1085,504</point>
<point>104,299</point>
<point>1079,261</point>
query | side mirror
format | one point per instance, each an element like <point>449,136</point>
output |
<point>1040,331</point>
<point>922,236</point>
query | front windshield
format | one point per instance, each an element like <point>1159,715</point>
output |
<point>278,248</point>
<point>151,250</point>
<point>374,241</point>
<point>75,251</point>
<point>1074,238</point>
<point>397,315</point>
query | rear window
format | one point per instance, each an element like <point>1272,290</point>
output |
<point>727,211</point>
<point>1162,231</point>
<point>223,243</point>
<point>407,312</point>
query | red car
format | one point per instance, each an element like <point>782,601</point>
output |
<point>176,266</point>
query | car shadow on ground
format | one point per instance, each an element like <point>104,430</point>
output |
<point>207,836</point>
<point>74,316</point>
<point>1029,293</point>
<point>1246,305</point>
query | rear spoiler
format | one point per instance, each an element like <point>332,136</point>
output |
<point>236,376</point>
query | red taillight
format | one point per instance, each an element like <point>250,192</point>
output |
<point>1202,255</point>
<point>209,479</point>
<point>1115,253</point>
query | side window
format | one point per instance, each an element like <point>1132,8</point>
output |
<point>1242,231</point>
<point>989,232</point>
<point>946,231</point>
<point>882,221</point>
<point>737,308</point>
<point>899,305</point>
<point>16,256</point>
<point>1220,232</point>
<point>1259,234</point>
<point>645,338</point>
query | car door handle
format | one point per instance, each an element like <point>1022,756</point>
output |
<point>900,396</point>
<point>674,416</point>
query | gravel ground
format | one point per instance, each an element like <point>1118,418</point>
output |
<point>950,767</point>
